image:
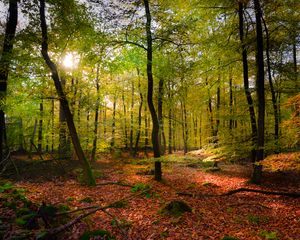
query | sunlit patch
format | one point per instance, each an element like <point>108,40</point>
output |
<point>71,60</point>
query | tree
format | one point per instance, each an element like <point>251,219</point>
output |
<point>260,88</point>
<point>246,80</point>
<point>5,61</point>
<point>155,124</point>
<point>88,175</point>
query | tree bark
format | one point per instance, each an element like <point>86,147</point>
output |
<point>230,101</point>
<point>273,94</point>
<point>155,125</point>
<point>62,127</point>
<point>40,133</point>
<point>10,32</point>
<point>88,175</point>
<point>260,89</point>
<point>136,148</point>
<point>125,121</point>
<point>113,125</point>
<point>131,117</point>
<point>96,120</point>
<point>162,139</point>
<point>246,81</point>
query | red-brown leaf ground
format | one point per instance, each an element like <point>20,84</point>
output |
<point>243,215</point>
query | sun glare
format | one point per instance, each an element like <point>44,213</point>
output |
<point>70,60</point>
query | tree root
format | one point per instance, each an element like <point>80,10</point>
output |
<point>114,183</point>
<point>287,194</point>
<point>92,209</point>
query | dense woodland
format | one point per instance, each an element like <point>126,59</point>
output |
<point>149,94</point>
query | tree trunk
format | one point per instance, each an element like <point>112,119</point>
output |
<point>93,154</point>
<point>170,148</point>
<point>88,175</point>
<point>195,126</point>
<point>260,88</point>
<point>146,130</point>
<point>139,116</point>
<point>125,121</point>
<point>246,82</point>
<point>162,140</point>
<point>113,125</point>
<point>230,101</point>
<point>10,32</point>
<point>273,94</point>
<point>62,127</point>
<point>52,125</point>
<point>131,117</point>
<point>185,131</point>
<point>155,125</point>
<point>40,133</point>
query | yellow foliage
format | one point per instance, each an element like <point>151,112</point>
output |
<point>282,162</point>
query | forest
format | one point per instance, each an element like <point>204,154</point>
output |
<point>150,119</point>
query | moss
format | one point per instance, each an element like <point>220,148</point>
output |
<point>176,208</point>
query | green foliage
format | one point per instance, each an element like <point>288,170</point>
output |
<point>140,187</point>
<point>5,186</point>
<point>268,235</point>
<point>103,234</point>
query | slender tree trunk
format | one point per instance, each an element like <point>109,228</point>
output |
<point>9,36</point>
<point>139,116</point>
<point>295,65</point>
<point>170,139</point>
<point>40,133</point>
<point>125,121</point>
<point>146,130</point>
<point>260,88</point>
<point>200,132</point>
<point>230,102</point>
<point>170,148</point>
<point>87,130</point>
<point>105,122</point>
<point>210,114</point>
<point>162,139</point>
<point>155,125</point>
<point>113,125</point>
<point>62,127</point>
<point>88,175</point>
<point>185,127</point>
<point>273,94</point>
<point>33,136</point>
<point>174,132</point>
<point>246,81</point>
<point>52,125</point>
<point>96,120</point>
<point>131,117</point>
<point>195,126</point>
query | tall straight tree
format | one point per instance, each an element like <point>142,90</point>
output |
<point>246,80</point>
<point>155,124</point>
<point>260,88</point>
<point>88,175</point>
<point>5,60</point>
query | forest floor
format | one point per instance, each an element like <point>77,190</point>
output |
<point>138,200</point>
